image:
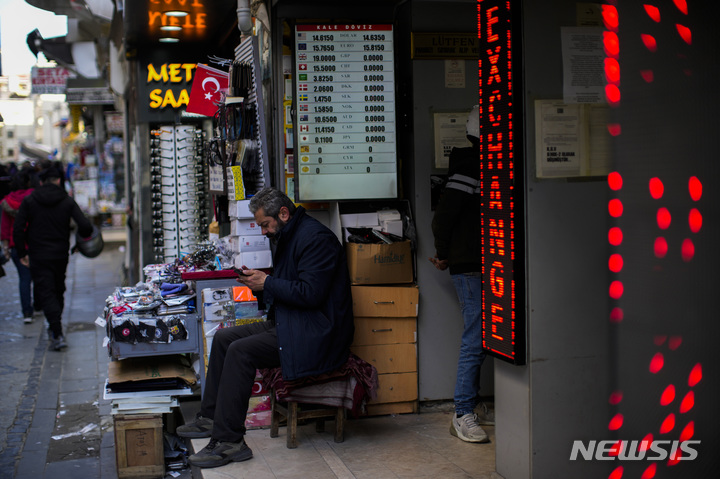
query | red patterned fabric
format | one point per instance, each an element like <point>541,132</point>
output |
<point>351,386</point>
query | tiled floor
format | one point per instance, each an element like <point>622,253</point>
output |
<point>402,446</point>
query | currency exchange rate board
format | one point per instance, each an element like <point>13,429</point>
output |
<point>345,112</point>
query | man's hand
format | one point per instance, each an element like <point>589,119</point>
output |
<point>253,279</point>
<point>25,261</point>
<point>440,264</point>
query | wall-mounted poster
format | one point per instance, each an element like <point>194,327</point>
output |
<point>345,112</point>
<point>449,131</point>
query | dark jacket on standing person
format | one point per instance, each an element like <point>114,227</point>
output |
<point>456,224</point>
<point>309,292</point>
<point>42,225</point>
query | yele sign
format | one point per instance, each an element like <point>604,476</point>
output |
<point>193,25</point>
<point>168,75</point>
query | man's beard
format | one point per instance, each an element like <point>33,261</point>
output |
<point>280,225</point>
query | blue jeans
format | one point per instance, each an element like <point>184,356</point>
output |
<point>467,386</point>
<point>25,284</point>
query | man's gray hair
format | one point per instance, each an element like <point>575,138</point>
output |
<point>271,200</point>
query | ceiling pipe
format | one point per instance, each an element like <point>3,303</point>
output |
<point>245,23</point>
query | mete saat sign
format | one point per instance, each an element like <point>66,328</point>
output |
<point>168,84</point>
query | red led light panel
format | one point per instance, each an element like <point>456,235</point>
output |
<point>503,316</point>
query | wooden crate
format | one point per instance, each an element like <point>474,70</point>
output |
<point>139,446</point>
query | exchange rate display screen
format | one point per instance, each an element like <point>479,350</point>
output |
<point>345,112</point>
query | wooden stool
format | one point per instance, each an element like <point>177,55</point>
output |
<point>294,412</point>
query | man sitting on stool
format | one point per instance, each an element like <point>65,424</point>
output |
<point>309,329</point>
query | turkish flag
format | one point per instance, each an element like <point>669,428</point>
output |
<point>208,90</point>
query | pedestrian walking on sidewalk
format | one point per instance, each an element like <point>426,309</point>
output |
<point>42,239</point>
<point>21,185</point>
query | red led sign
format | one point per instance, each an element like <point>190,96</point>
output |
<point>501,218</point>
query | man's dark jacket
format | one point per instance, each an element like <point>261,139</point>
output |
<point>456,223</point>
<point>310,293</point>
<point>42,224</point>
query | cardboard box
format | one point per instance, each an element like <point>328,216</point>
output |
<point>253,243</point>
<point>150,368</point>
<point>388,215</point>
<point>240,209</point>
<point>394,227</point>
<point>385,301</point>
<point>215,295</point>
<point>243,227</point>
<point>139,446</point>
<point>220,311</point>
<point>359,220</point>
<point>254,259</point>
<point>378,330</point>
<point>380,263</point>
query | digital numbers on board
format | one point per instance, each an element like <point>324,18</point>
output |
<point>345,95</point>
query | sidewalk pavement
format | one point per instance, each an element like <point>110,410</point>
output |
<point>54,423</point>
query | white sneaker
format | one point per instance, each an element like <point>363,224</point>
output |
<point>485,416</point>
<point>28,319</point>
<point>467,428</point>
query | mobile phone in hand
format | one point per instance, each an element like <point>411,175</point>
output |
<point>240,272</point>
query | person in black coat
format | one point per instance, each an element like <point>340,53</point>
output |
<point>457,233</point>
<point>309,329</point>
<point>41,233</point>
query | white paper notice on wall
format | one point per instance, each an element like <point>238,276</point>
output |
<point>455,73</point>
<point>560,139</point>
<point>583,65</point>
<point>571,140</point>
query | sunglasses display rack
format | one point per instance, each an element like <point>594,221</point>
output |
<point>179,191</point>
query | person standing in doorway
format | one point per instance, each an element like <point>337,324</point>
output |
<point>456,229</point>
<point>21,185</point>
<point>42,239</point>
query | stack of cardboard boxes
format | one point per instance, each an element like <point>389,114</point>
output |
<point>385,306</point>
<point>252,248</point>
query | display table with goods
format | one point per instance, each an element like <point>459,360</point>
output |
<point>158,335</point>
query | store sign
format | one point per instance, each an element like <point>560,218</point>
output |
<point>49,80</point>
<point>345,120</point>
<point>428,46</point>
<point>168,84</point>
<point>502,217</point>
<point>192,25</point>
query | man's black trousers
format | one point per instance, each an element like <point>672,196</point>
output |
<point>49,289</point>
<point>236,353</point>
